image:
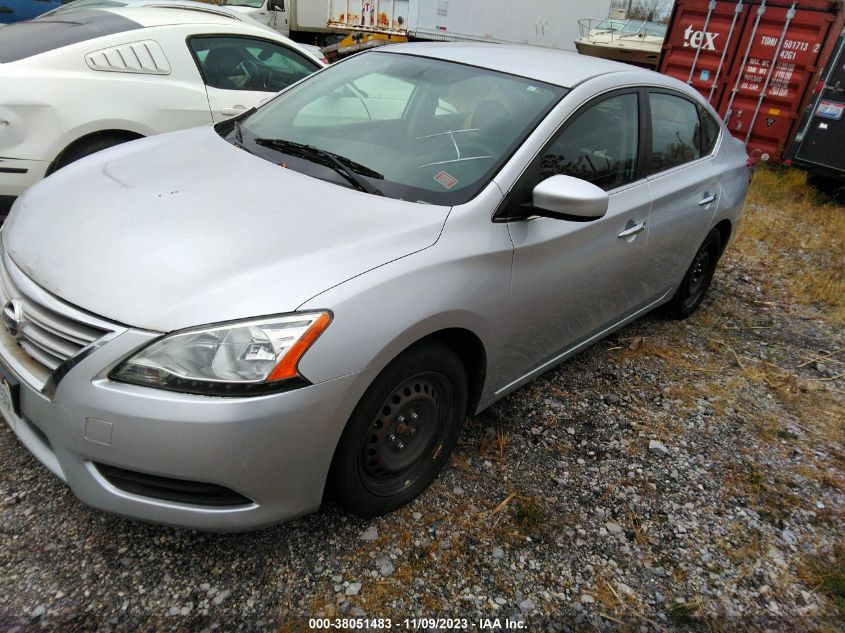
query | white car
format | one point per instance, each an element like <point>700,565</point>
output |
<point>78,83</point>
<point>243,12</point>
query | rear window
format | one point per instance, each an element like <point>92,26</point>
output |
<point>26,39</point>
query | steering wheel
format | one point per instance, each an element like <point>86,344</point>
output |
<point>479,145</point>
<point>250,69</point>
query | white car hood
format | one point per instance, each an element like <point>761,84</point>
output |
<point>185,229</point>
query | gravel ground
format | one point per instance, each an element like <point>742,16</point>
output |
<point>675,476</point>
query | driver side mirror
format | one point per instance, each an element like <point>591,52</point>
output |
<point>567,198</point>
<point>276,5</point>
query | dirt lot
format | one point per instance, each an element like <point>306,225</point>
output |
<point>675,476</point>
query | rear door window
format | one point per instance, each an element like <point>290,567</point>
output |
<point>710,129</point>
<point>676,131</point>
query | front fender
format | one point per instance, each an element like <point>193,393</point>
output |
<point>462,281</point>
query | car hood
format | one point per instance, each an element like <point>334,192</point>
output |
<point>185,229</point>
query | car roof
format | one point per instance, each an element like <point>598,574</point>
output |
<point>562,68</point>
<point>72,8</point>
<point>151,16</point>
<point>46,33</point>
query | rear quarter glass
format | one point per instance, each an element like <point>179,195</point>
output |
<point>26,39</point>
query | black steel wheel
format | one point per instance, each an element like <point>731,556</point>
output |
<point>697,280</point>
<point>402,432</point>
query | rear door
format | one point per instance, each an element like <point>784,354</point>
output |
<point>684,185</point>
<point>240,72</point>
<point>573,279</point>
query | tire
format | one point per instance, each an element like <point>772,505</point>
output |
<point>88,147</point>
<point>696,282</point>
<point>402,432</point>
<point>830,187</point>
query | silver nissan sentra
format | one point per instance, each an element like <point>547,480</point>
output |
<point>217,327</point>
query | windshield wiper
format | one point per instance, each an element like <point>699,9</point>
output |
<point>347,168</point>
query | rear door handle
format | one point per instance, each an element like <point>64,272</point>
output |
<point>707,199</point>
<point>634,230</point>
<point>232,111</point>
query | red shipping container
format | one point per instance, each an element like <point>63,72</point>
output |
<point>757,62</point>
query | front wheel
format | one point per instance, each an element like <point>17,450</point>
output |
<point>697,280</point>
<point>402,432</point>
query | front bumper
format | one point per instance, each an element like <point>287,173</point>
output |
<point>17,175</point>
<point>275,450</point>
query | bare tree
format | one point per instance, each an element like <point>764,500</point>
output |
<point>649,10</point>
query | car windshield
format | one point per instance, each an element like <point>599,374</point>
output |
<point>407,127</point>
<point>255,4</point>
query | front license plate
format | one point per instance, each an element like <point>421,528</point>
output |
<point>9,395</point>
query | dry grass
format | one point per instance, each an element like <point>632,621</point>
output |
<point>529,514</point>
<point>683,613</point>
<point>764,491</point>
<point>826,574</point>
<point>781,233</point>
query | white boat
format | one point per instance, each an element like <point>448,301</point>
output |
<point>631,41</point>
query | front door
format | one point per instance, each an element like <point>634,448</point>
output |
<point>278,16</point>
<point>241,72</point>
<point>572,280</point>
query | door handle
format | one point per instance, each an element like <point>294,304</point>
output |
<point>232,111</point>
<point>634,230</point>
<point>707,199</point>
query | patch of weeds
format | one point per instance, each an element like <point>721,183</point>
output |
<point>827,574</point>
<point>529,514</point>
<point>768,496</point>
<point>756,478</point>
<point>832,482</point>
<point>682,613</point>
<point>790,232</point>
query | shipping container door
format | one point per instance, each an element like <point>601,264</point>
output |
<point>823,143</point>
<point>778,57</point>
<point>702,43</point>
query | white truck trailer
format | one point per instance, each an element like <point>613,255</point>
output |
<point>549,23</point>
<point>288,17</point>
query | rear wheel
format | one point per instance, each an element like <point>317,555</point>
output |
<point>402,432</point>
<point>697,280</point>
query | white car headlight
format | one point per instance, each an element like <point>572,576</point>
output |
<point>240,358</point>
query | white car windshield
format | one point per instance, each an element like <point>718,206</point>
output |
<point>408,127</point>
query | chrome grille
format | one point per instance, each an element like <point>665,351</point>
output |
<point>48,334</point>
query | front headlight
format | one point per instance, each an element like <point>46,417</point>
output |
<point>241,358</point>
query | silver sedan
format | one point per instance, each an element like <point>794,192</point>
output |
<point>217,327</point>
